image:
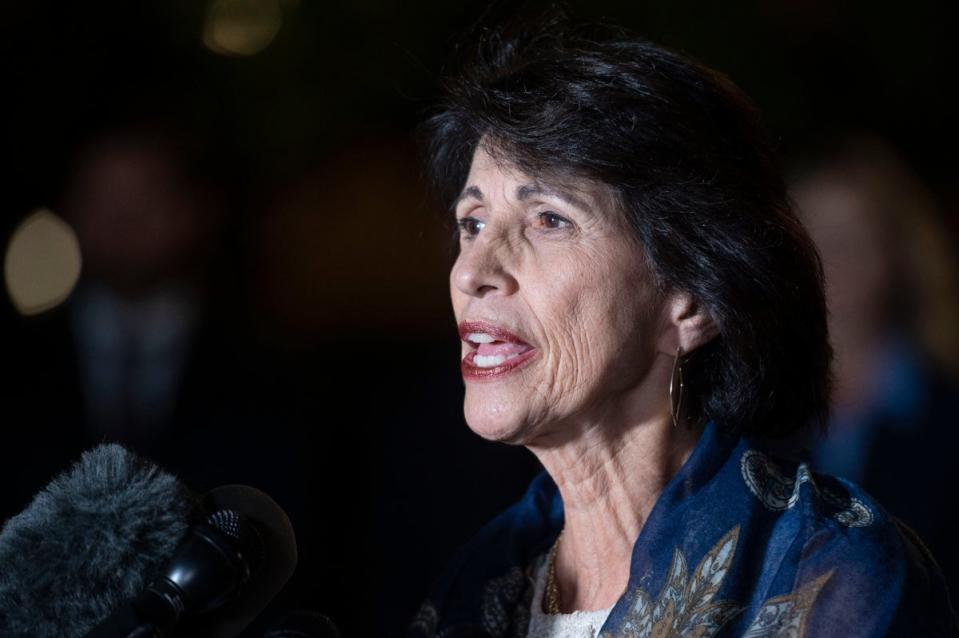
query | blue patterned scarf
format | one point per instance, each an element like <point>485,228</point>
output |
<point>738,544</point>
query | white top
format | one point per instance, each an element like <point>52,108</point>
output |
<point>579,624</point>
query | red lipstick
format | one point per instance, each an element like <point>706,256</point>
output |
<point>495,352</point>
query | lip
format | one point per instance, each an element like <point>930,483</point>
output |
<point>501,334</point>
<point>472,372</point>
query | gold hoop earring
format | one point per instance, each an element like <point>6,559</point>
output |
<point>676,387</point>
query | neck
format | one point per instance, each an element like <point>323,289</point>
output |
<point>609,476</point>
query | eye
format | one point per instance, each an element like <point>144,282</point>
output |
<point>469,227</point>
<point>551,221</point>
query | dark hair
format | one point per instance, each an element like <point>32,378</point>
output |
<point>683,149</point>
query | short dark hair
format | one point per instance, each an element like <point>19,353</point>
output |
<point>684,151</point>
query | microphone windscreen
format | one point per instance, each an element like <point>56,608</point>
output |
<point>271,572</point>
<point>87,543</point>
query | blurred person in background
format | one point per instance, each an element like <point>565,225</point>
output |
<point>893,297</point>
<point>146,221</point>
<point>150,350</point>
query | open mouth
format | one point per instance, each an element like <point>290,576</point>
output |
<point>494,351</point>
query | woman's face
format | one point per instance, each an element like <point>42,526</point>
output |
<point>557,311</point>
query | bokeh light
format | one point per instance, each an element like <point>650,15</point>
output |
<point>242,27</point>
<point>42,263</point>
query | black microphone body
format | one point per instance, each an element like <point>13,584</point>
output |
<point>211,566</point>
<point>215,561</point>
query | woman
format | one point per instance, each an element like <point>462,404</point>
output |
<point>641,309</point>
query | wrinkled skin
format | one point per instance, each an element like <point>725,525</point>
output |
<point>557,266</point>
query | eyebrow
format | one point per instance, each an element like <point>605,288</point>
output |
<point>470,192</point>
<point>524,192</point>
<point>529,190</point>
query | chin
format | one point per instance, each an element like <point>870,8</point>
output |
<point>495,422</point>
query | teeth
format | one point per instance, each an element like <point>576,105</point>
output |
<point>493,360</point>
<point>479,337</point>
<point>488,362</point>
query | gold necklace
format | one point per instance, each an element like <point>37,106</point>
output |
<point>551,595</point>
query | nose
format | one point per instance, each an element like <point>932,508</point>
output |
<point>481,269</point>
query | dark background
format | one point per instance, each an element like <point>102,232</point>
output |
<point>326,370</point>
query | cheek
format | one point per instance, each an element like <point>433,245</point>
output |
<point>592,319</point>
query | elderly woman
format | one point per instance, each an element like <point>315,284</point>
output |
<point>640,308</point>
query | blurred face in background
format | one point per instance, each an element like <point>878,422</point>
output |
<point>849,209</point>
<point>558,314</point>
<point>139,218</point>
<point>845,222</point>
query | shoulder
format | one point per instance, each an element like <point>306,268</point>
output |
<point>870,573</point>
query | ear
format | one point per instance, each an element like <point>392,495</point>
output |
<point>688,324</point>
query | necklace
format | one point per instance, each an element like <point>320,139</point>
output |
<point>551,594</point>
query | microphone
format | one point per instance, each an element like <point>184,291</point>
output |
<point>88,542</point>
<point>213,563</point>
<point>233,563</point>
<point>101,532</point>
<point>275,534</point>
